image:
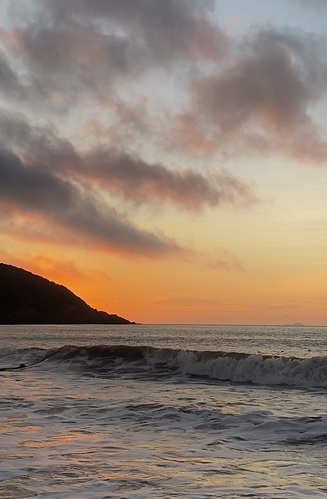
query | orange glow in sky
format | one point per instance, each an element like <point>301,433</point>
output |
<point>166,167</point>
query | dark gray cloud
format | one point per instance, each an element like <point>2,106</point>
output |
<point>266,79</point>
<point>263,98</point>
<point>259,98</point>
<point>135,179</point>
<point>9,80</point>
<point>163,30</point>
<point>31,190</point>
<point>115,171</point>
<point>64,187</point>
<point>39,145</point>
<point>69,48</point>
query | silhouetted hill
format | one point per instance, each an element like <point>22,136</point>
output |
<point>26,298</point>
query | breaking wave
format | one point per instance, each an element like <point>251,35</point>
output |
<point>216,365</point>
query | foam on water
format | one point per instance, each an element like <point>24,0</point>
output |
<point>67,434</point>
<point>133,421</point>
<point>223,366</point>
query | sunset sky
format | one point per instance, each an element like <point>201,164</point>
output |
<point>167,159</point>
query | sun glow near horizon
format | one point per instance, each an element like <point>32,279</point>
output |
<point>176,179</point>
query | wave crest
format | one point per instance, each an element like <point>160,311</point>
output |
<point>222,366</point>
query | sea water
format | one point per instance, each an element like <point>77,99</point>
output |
<point>163,411</point>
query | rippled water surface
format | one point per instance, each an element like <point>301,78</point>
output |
<point>179,419</point>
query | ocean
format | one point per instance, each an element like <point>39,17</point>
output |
<point>163,412</point>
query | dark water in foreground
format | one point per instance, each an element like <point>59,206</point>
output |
<point>163,411</point>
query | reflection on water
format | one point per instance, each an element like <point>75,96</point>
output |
<point>96,437</point>
<point>80,427</point>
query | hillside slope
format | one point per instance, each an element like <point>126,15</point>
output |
<point>26,298</point>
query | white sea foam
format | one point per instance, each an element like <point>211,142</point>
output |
<point>257,369</point>
<point>118,421</point>
<point>237,367</point>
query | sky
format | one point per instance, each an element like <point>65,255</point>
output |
<point>167,159</point>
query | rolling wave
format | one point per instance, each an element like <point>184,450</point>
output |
<point>217,365</point>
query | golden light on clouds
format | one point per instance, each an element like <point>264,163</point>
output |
<point>163,167</point>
